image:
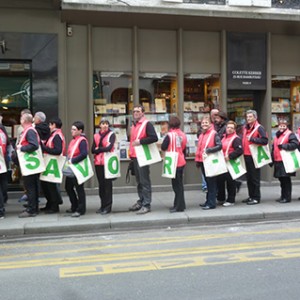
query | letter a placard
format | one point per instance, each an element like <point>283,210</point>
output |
<point>260,154</point>
<point>147,154</point>
<point>54,165</point>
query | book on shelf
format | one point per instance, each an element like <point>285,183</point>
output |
<point>152,117</point>
<point>146,106</point>
<point>160,105</point>
<point>119,120</point>
<point>187,106</point>
<point>121,134</point>
<point>163,118</point>
<point>187,117</point>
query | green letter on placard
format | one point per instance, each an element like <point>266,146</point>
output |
<point>113,165</point>
<point>235,165</point>
<point>52,168</point>
<point>167,165</point>
<point>261,154</point>
<point>83,170</point>
<point>33,162</point>
<point>147,152</point>
<point>295,160</point>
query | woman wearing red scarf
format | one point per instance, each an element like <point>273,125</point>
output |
<point>103,142</point>
<point>284,140</point>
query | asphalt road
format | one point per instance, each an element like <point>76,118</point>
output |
<point>259,261</point>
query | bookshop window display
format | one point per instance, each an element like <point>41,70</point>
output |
<point>285,101</point>
<point>112,96</point>
<point>201,94</point>
<point>158,95</point>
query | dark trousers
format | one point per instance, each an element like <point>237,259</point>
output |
<point>177,185</point>
<point>52,195</point>
<point>211,188</point>
<point>105,189</point>
<point>225,181</point>
<point>31,184</point>
<point>77,199</point>
<point>286,188</point>
<point>3,191</point>
<point>142,177</point>
<point>253,179</point>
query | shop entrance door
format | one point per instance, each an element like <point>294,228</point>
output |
<point>15,95</point>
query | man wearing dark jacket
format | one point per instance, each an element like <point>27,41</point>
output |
<point>41,125</point>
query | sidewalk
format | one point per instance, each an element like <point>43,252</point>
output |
<point>159,217</point>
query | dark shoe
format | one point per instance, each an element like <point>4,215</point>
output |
<point>220,202</point>
<point>26,214</point>
<point>99,211</point>
<point>50,212</point>
<point>105,212</point>
<point>206,207</point>
<point>278,200</point>
<point>143,210</point>
<point>246,200</point>
<point>135,207</point>
<point>69,211</point>
<point>202,204</point>
<point>173,210</point>
<point>284,201</point>
<point>253,202</point>
<point>44,208</point>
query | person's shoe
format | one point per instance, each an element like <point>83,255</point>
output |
<point>25,204</point>
<point>284,201</point>
<point>70,211</point>
<point>26,214</point>
<point>23,198</point>
<point>44,208</point>
<point>135,207</point>
<point>76,214</point>
<point>226,204</point>
<point>252,202</point>
<point>143,210</point>
<point>1,216</point>
<point>220,202</point>
<point>174,210</point>
<point>51,211</point>
<point>206,207</point>
<point>105,212</point>
<point>202,204</point>
<point>247,200</point>
<point>99,211</point>
<point>278,200</point>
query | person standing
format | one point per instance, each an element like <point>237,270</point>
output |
<point>77,151</point>
<point>103,143</point>
<point>3,176</point>
<point>253,133</point>
<point>41,126</point>
<point>142,133</point>
<point>208,142</point>
<point>286,140</point>
<point>220,121</point>
<point>232,149</point>
<point>54,145</point>
<point>177,140</point>
<point>29,142</point>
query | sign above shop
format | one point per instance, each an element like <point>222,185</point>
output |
<point>246,61</point>
<point>258,3</point>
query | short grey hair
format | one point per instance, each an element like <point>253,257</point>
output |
<point>253,112</point>
<point>40,115</point>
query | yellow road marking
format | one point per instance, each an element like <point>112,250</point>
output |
<point>194,261</point>
<point>203,250</point>
<point>134,243</point>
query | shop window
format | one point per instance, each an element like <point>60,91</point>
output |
<point>112,96</point>
<point>158,95</point>
<point>15,95</point>
<point>285,101</point>
<point>201,94</point>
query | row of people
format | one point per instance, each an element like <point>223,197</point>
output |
<point>143,133</point>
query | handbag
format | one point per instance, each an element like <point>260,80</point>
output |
<point>130,171</point>
<point>67,171</point>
